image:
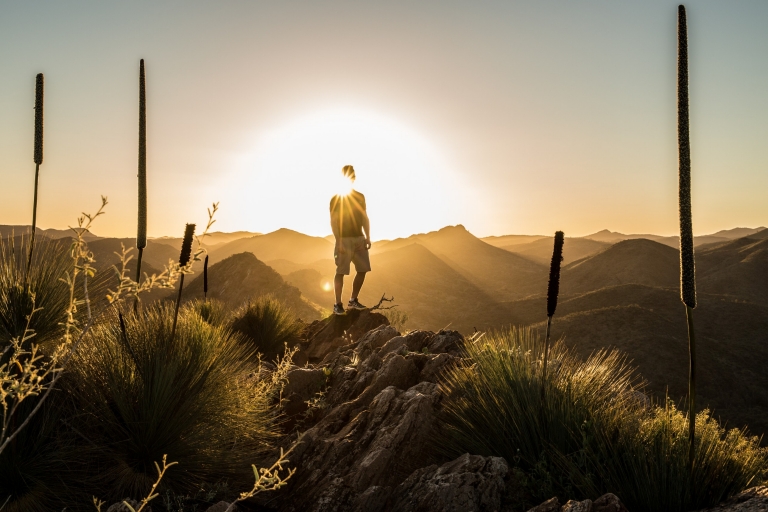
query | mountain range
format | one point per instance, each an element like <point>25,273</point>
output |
<point>615,291</point>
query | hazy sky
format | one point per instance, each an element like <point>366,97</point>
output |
<point>507,117</point>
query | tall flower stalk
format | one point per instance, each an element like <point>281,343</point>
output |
<point>205,279</point>
<point>687,267</point>
<point>141,235</point>
<point>184,257</point>
<point>553,289</point>
<point>38,158</point>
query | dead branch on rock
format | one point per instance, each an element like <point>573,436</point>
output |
<point>383,300</point>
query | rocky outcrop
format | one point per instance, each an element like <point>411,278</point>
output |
<point>369,448</point>
<point>324,338</point>
<point>605,503</point>
<point>751,500</point>
<point>468,484</point>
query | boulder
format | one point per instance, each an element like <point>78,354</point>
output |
<point>469,483</point>
<point>221,506</point>
<point>551,505</point>
<point>751,500</point>
<point>605,503</point>
<point>577,506</point>
<point>358,447</point>
<point>120,506</point>
<point>323,337</point>
<point>608,503</point>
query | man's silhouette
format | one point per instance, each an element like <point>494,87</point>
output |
<point>352,231</point>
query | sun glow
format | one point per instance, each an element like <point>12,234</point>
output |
<point>292,171</point>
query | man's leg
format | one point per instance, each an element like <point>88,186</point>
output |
<point>356,285</point>
<point>338,285</point>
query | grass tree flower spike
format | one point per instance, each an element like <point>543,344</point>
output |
<point>38,158</point>
<point>552,291</point>
<point>141,235</point>
<point>205,278</point>
<point>184,257</point>
<point>687,267</point>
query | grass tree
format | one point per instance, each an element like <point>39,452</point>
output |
<point>141,235</point>
<point>38,158</point>
<point>552,291</point>
<point>184,258</point>
<point>687,266</point>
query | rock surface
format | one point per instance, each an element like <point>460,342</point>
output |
<point>369,448</point>
<point>751,500</point>
<point>605,503</point>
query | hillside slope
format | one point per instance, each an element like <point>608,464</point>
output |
<point>282,244</point>
<point>242,277</point>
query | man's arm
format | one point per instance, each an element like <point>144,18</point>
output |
<point>367,230</point>
<point>336,233</point>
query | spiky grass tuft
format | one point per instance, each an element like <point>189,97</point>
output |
<point>595,432</point>
<point>267,325</point>
<point>42,289</point>
<point>192,396</point>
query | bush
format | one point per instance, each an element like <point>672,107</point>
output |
<point>212,311</point>
<point>194,397</point>
<point>591,432</point>
<point>267,324</point>
<point>36,467</point>
<point>50,263</point>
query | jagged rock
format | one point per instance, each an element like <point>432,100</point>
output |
<point>469,483</point>
<point>221,507</point>
<point>577,506</point>
<point>751,500</point>
<point>326,336</point>
<point>378,337</point>
<point>357,447</point>
<point>303,384</point>
<point>121,507</point>
<point>551,505</point>
<point>608,503</point>
<point>605,503</point>
<point>360,452</point>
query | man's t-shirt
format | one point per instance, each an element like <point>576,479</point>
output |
<point>349,210</point>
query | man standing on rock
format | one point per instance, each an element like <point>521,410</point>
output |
<point>349,221</point>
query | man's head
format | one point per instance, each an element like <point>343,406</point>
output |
<point>349,172</point>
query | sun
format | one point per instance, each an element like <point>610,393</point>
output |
<point>294,169</point>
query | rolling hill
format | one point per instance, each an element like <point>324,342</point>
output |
<point>283,244</point>
<point>574,249</point>
<point>242,277</point>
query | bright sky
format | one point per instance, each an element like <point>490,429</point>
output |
<point>507,117</point>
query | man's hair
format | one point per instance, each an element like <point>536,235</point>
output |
<point>348,171</point>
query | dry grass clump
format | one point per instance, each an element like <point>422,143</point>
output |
<point>594,432</point>
<point>266,324</point>
<point>191,396</point>
<point>43,291</point>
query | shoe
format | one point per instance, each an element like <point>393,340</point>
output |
<point>338,309</point>
<point>354,304</point>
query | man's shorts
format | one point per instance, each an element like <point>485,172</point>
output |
<point>355,252</point>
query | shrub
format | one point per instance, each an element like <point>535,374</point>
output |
<point>593,432</point>
<point>36,467</point>
<point>192,396</point>
<point>267,324</point>
<point>397,318</point>
<point>50,263</point>
<point>213,311</point>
